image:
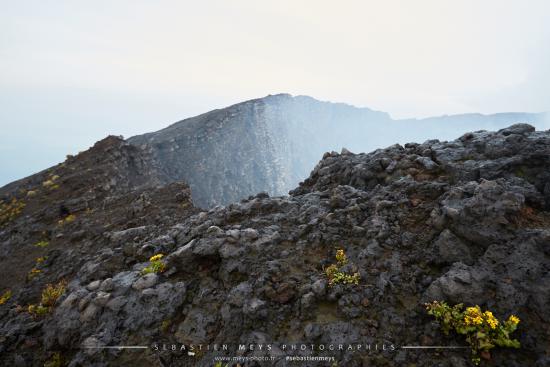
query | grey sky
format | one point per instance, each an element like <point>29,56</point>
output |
<point>72,72</point>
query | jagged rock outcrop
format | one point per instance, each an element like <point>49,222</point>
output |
<point>462,221</point>
<point>271,144</point>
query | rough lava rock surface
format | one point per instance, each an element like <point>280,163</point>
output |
<point>462,221</point>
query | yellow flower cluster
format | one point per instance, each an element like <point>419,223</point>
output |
<point>490,319</point>
<point>513,319</point>
<point>52,292</point>
<point>33,273</point>
<point>473,316</point>
<point>341,257</point>
<point>156,257</point>
<point>156,265</point>
<point>5,297</point>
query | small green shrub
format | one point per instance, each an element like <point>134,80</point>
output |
<point>68,219</point>
<point>36,271</point>
<point>165,325</point>
<point>483,331</point>
<point>52,292</point>
<point>42,244</point>
<point>37,310</point>
<point>334,272</point>
<point>33,273</point>
<point>51,183</point>
<point>55,360</point>
<point>10,210</point>
<point>49,298</point>
<point>156,265</point>
<point>5,296</point>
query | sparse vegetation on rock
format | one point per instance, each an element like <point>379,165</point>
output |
<point>336,275</point>
<point>10,210</point>
<point>48,299</point>
<point>5,296</point>
<point>33,273</point>
<point>42,243</point>
<point>482,330</point>
<point>51,182</point>
<point>156,265</point>
<point>68,219</point>
<point>56,360</point>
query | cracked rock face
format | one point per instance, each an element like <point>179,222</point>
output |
<point>271,144</point>
<point>465,221</point>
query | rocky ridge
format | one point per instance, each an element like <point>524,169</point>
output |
<point>271,144</point>
<point>462,221</point>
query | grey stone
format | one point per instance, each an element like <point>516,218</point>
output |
<point>90,312</point>
<point>94,285</point>
<point>517,129</point>
<point>250,233</point>
<point>319,287</point>
<point>254,307</point>
<point>239,294</point>
<point>195,327</point>
<point>107,285</point>
<point>215,231</point>
<point>451,249</point>
<point>101,298</point>
<point>146,281</point>
<point>307,301</point>
<point>115,304</point>
<point>124,280</point>
<point>427,163</point>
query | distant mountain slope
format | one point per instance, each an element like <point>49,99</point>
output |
<point>272,143</point>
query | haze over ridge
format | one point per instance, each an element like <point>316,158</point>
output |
<point>73,73</point>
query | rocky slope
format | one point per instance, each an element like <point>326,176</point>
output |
<point>462,221</point>
<point>113,185</point>
<point>271,144</point>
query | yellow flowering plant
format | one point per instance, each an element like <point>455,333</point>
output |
<point>5,296</point>
<point>42,244</point>
<point>49,298</point>
<point>33,273</point>
<point>68,219</point>
<point>334,272</point>
<point>483,330</point>
<point>156,265</point>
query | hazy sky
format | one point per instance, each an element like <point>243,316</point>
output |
<point>72,72</point>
